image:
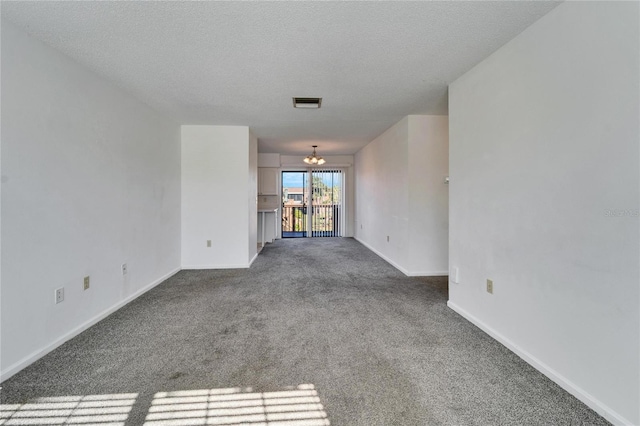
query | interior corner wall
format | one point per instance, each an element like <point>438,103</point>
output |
<point>544,199</point>
<point>252,193</point>
<point>382,195</point>
<point>90,180</point>
<point>401,194</point>
<point>215,175</point>
<point>428,165</point>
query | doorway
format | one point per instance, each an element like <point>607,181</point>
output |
<point>323,217</point>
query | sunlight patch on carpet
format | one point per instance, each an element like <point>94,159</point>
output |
<point>291,406</point>
<point>99,410</point>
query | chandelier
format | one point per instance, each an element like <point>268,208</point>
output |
<point>313,158</point>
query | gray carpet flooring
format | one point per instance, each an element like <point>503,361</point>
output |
<point>316,327</point>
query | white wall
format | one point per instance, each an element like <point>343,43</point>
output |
<point>400,193</point>
<point>217,163</point>
<point>252,194</point>
<point>382,194</point>
<point>90,180</point>
<point>428,195</point>
<point>544,146</point>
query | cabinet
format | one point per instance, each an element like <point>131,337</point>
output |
<point>267,181</point>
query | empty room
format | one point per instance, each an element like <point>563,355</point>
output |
<point>320,213</point>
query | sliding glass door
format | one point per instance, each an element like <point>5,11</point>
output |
<point>323,215</point>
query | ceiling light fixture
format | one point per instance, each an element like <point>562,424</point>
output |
<point>313,158</point>
<point>314,103</point>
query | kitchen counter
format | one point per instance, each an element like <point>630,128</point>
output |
<point>263,213</point>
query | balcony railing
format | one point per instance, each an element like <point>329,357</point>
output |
<point>324,220</point>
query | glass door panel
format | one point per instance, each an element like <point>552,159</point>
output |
<point>326,200</point>
<point>294,204</point>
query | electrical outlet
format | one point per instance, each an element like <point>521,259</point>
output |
<point>87,282</point>
<point>124,269</point>
<point>489,286</point>
<point>59,295</point>
<point>387,238</point>
<point>208,243</point>
<point>360,226</point>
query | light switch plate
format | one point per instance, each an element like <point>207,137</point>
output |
<point>489,286</point>
<point>455,275</point>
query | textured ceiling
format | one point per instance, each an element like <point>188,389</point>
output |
<point>240,63</point>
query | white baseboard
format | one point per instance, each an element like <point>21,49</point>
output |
<point>238,266</point>
<point>255,256</point>
<point>400,268</point>
<point>593,403</point>
<point>391,262</point>
<point>33,357</point>
<point>429,274</point>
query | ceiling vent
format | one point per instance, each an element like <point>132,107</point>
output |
<point>307,102</point>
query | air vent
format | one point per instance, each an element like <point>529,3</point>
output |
<point>307,102</point>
